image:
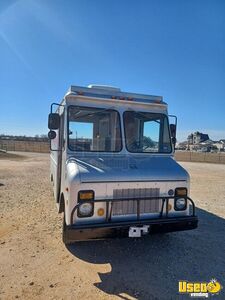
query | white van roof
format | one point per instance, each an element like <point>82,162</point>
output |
<point>102,91</point>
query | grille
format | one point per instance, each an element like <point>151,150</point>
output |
<point>125,207</point>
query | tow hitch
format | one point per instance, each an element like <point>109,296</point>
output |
<point>138,231</point>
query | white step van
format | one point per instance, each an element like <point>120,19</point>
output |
<point>112,165</point>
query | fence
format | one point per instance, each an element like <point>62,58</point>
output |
<point>218,158</point>
<point>27,146</point>
<point>36,146</point>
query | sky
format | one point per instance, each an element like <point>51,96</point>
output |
<point>174,48</point>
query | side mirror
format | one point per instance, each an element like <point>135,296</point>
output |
<point>53,121</point>
<point>174,140</point>
<point>173,129</point>
<point>52,135</point>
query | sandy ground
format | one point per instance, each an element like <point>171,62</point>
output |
<point>35,264</point>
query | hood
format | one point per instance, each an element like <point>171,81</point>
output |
<point>128,168</point>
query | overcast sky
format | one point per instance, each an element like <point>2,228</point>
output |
<point>171,48</point>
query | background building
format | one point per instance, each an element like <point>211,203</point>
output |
<point>197,137</point>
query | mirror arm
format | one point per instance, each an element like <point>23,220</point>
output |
<point>175,117</point>
<point>174,133</point>
<point>55,104</point>
<point>51,111</point>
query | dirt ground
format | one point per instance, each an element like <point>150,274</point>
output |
<point>35,264</point>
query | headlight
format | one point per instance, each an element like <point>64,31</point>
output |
<point>180,204</point>
<point>85,209</point>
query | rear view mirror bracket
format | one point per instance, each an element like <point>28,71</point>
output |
<point>173,130</point>
<point>53,124</point>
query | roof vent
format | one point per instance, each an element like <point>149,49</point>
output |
<point>104,87</point>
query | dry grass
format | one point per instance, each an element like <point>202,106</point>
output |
<point>11,156</point>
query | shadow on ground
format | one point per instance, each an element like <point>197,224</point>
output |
<point>149,268</point>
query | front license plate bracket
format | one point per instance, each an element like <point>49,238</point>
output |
<point>138,231</point>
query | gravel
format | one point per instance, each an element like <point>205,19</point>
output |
<point>35,264</point>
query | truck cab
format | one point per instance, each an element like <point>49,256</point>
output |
<point>112,166</point>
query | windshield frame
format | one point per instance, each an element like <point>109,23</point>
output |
<point>97,108</point>
<point>144,112</point>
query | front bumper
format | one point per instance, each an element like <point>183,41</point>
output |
<point>164,223</point>
<point>98,231</point>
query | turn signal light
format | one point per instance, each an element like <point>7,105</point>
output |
<point>101,212</point>
<point>181,192</point>
<point>86,195</point>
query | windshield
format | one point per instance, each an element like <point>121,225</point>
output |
<point>94,129</point>
<point>147,132</point>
